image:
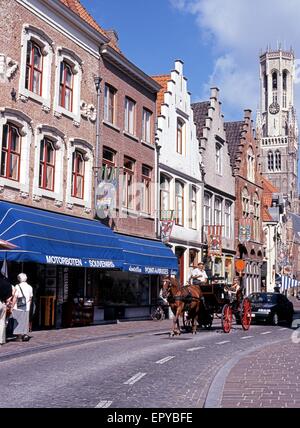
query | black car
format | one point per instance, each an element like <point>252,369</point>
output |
<point>271,308</point>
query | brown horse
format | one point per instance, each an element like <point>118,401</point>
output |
<point>182,299</point>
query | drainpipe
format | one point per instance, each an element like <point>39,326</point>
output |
<point>97,81</point>
<point>157,188</point>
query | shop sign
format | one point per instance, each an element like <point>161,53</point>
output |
<point>76,262</point>
<point>166,227</point>
<point>214,240</point>
<point>106,191</point>
<point>245,230</point>
<point>148,270</point>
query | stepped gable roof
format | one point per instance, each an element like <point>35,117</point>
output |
<point>200,115</point>
<point>162,80</point>
<point>233,136</point>
<point>76,7</point>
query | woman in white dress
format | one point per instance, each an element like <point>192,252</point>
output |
<point>21,307</point>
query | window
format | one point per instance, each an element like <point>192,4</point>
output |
<point>270,161</point>
<point>78,175</point>
<point>274,80</point>
<point>146,126</point>
<point>256,218</point>
<point>218,211</point>
<point>146,190</point>
<point>129,116</point>
<point>34,68</point>
<point>179,143</point>
<point>109,103</point>
<point>245,203</point>
<point>207,209</point>
<point>218,158</point>
<point>277,160</point>
<point>284,80</point>
<point>179,202</point>
<point>250,165</point>
<point>108,164</point>
<point>193,207</point>
<point>47,165</point>
<point>11,152</point>
<point>164,196</point>
<point>66,86</point>
<point>128,188</point>
<point>228,206</point>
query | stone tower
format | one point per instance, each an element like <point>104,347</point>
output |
<point>277,129</point>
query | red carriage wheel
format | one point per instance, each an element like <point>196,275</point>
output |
<point>226,318</point>
<point>245,313</point>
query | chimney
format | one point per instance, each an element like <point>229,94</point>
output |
<point>113,36</point>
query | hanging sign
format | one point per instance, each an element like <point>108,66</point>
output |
<point>245,230</point>
<point>214,240</point>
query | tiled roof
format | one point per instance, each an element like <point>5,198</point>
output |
<point>80,10</point>
<point>163,82</point>
<point>268,186</point>
<point>233,137</point>
<point>266,216</point>
<point>200,115</point>
<point>268,190</point>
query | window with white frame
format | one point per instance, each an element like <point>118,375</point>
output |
<point>218,158</point>
<point>256,218</point>
<point>250,165</point>
<point>146,189</point>
<point>80,174</point>
<point>227,219</point>
<point>128,183</point>
<point>147,118</point>
<point>245,203</point>
<point>15,139</point>
<point>179,203</point>
<point>193,207</point>
<point>207,208</point>
<point>47,165</point>
<point>130,116</point>
<point>35,70</point>
<point>218,211</point>
<point>180,137</point>
<point>110,104</point>
<point>68,85</point>
<point>108,163</point>
<point>164,195</point>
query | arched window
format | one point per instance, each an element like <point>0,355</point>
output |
<point>180,136</point>
<point>274,81</point>
<point>277,160</point>
<point>270,161</point>
<point>78,175</point>
<point>66,86</point>
<point>47,165</point>
<point>245,202</point>
<point>11,152</point>
<point>284,80</point>
<point>250,165</point>
<point>34,68</point>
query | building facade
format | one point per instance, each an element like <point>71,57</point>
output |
<point>180,178</point>
<point>277,129</point>
<point>219,187</point>
<point>245,160</point>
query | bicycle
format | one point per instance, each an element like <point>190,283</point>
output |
<point>158,313</point>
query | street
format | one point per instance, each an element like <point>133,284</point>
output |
<point>138,370</point>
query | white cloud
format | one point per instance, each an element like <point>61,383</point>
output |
<point>237,31</point>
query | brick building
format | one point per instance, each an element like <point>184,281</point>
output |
<point>56,128</point>
<point>245,161</point>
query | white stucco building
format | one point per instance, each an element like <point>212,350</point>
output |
<point>179,164</point>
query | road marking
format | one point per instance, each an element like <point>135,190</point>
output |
<point>246,337</point>
<point>164,360</point>
<point>222,343</point>
<point>266,332</point>
<point>134,378</point>
<point>104,404</point>
<point>195,349</point>
<point>282,329</point>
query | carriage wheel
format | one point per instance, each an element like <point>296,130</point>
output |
<point>245,314</point>
<point>226,318</point>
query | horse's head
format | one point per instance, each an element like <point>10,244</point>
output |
<point>166,287</point>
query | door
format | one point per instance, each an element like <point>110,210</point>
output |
<point>180,257</point>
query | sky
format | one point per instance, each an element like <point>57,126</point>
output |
<point>218,40</point>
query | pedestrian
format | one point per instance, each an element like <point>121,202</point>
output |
<point>198,275</point>
<point>21,308</point>
<point>6,291</point>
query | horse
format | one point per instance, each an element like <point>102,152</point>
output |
<point>182,299</point>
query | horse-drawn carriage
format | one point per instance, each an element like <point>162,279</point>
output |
<point>220,302</point>
<point>204,301</point>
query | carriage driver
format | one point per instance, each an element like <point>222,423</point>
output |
<point>198,275</point>
<point>235,290</point>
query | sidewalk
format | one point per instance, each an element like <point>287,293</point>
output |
<point>47,339</point>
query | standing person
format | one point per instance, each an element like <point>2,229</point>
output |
<point>21,308</point>
<point>198,275</point>
<point>6,290</point>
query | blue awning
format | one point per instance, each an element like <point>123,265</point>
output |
<point>147,256</point>
<point>49,238</point>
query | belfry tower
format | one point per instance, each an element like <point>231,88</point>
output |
<point>277,130</point>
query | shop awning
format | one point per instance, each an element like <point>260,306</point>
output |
<point>147,256</point>
<point>49,238</point>
<point>288,282</point>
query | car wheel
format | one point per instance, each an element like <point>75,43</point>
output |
<point>275,319</point>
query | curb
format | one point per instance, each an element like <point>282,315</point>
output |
<point>215,393</point>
